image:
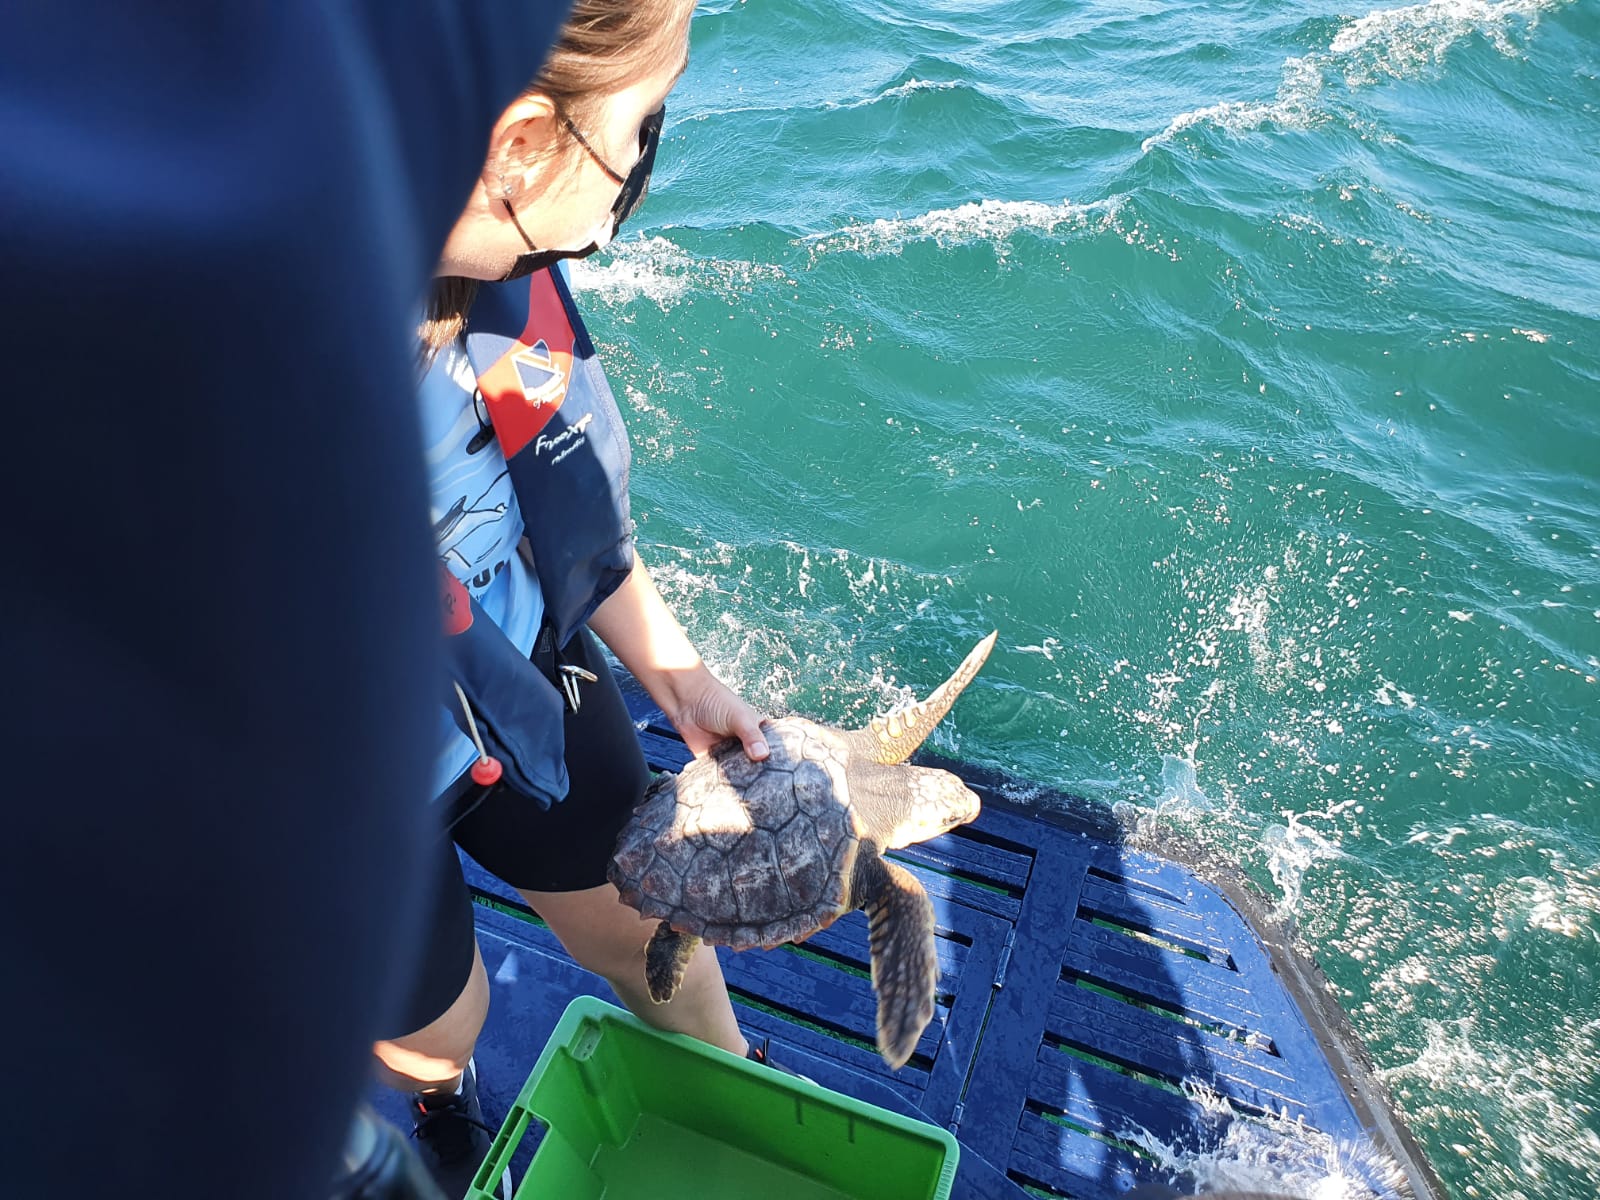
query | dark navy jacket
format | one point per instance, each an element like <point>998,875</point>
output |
<point>567,452</point>
<point>218,651</point>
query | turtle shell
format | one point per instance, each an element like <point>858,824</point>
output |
<point>742,853</point>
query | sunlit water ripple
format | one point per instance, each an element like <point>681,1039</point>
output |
<point>1241,366</point>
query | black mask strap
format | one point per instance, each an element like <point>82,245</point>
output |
<point>634,189</point>
<point>512,213</point>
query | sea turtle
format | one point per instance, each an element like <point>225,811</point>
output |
<point>744,854</point>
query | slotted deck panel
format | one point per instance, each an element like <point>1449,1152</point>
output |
<point>1082,986</point>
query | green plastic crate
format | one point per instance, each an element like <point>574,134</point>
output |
<point>628,1113</point>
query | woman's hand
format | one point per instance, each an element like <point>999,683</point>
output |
<point>707,711</point>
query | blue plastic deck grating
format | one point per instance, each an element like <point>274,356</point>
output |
<point>1085,990</point>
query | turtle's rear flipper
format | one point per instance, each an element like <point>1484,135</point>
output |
<point>905,968</point>
<point>666,958</point>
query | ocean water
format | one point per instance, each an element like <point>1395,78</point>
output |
<point>1240,363</point>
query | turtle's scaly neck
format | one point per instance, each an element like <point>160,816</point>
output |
<point>881,799</point>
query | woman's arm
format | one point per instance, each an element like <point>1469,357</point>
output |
<point>640,629</point>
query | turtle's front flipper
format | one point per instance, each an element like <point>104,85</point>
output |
<point>666,958</point>
<point>905,968</point>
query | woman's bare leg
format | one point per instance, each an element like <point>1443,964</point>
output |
<point>607,937</point>
<point>434,1057</point>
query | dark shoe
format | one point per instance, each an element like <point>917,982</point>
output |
<point>763,1055</point>
<point>452,1138</point>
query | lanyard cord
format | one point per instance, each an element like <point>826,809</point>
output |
<point>472,725</point>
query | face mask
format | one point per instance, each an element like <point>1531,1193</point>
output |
<point>633,191</point>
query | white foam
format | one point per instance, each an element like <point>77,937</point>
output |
<point>660,271</point>
<point>1522,1130</point>
<point>1568,906</point>
<point>796,656</point>
<point>984,221</point>
<point>1240,629</point>
<point>1294,107</point>
<point>1180,787</point>
<point>1270,1156</point>
<point>921,85</point>
<point>707,114</point>
<point>1387,43</point>
<point>907,88</point>
<point>1047,648</point>
<point>1292,850</point>
<point>1249,612</point>
<point>1390,694</point>
<point>1402,42</point>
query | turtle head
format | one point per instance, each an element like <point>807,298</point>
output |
<point>934,802</point>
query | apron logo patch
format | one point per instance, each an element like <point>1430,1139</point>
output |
<point>526,385</point>
<point>541,375</point>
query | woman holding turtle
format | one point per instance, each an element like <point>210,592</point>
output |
<point>539,766</point>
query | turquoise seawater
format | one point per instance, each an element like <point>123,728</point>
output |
<point>1240,363</point>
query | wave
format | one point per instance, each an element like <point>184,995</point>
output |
<point>899,90</point>
<point>1387,43</point>
<point>982,221</point>
<point>661,271</point>
<point>1294,107</point>
<point>921,85</point>
<point>1398,43</point>
<point>894,92</point>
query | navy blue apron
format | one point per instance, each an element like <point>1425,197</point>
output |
<point>567,451</point>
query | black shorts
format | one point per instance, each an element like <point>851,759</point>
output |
<point>564,848</point>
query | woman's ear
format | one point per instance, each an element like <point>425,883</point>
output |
<point>524,135</point>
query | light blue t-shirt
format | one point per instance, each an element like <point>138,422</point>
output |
<point>476,524</point>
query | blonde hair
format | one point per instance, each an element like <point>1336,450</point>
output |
<point>605,46</point>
